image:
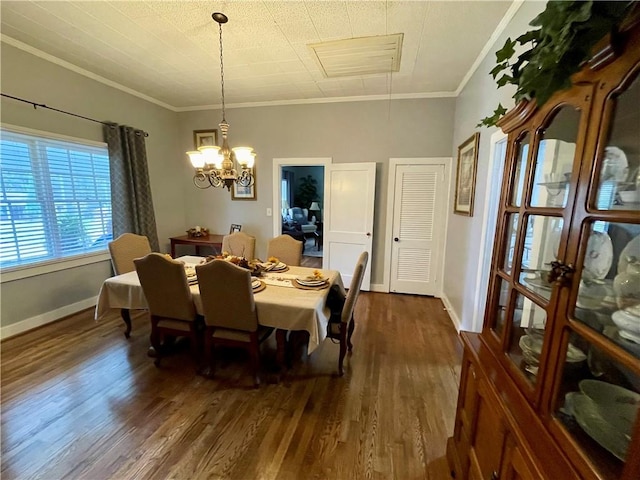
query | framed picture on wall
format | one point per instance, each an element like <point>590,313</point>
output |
<point>466,176</point>
<point>202,138</point>
<point>239,192</point>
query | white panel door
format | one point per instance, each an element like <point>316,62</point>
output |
<point>418,229</point>
<point>348,217</point>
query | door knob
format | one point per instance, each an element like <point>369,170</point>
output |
<point>396,239</point>
<point>368,234</point>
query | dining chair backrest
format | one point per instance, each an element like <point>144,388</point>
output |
<point>239,244</point>
<point>227,296</point>
<point>286,249</point>
<point>125,249</point>
<point>165,286</point>
<point>354,287</point>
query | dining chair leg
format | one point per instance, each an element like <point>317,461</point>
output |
<point>154,338</point>
<point>126,317</point>
<point>352,325</point>
<point>209,366</point>
<point>194,340</point>
<point>343,348</point>
<point>255,359</point>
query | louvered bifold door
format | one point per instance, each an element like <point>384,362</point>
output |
<point>417,226</point>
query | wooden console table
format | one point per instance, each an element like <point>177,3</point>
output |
<point>212,240</point>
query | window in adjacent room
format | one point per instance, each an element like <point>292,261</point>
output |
<point>55,198</point>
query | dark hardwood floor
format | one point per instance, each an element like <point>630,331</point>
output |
<point>79,401</point>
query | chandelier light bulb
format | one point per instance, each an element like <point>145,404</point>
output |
<point>197,159</point>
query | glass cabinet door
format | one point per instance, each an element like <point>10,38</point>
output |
<point>598,394</point>
<point>618,170</point>
<point>542,164</point>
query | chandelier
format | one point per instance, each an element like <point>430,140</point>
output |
<point>215,165</point>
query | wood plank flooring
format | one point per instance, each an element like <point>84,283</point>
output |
<point>79,401</point>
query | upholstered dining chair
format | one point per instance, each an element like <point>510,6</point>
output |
<point>230,314</point>
<point>286,248</point>
<point>342,322</point>
<point>239,244</point>
<point>171,308</point>
<point>125,249</point>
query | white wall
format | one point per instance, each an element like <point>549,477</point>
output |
<point>477,100</point>
<point>369,131</point>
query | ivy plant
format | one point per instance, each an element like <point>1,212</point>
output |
<point>556,50</point>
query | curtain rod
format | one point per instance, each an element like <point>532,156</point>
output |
<point>42,105</point>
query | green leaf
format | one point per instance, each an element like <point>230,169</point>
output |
<point>530,36</point>
<point>498,68</point>
<point>506,52</point>
<point>567,32</point>
<point>493,119</point>
<point>504,80</point>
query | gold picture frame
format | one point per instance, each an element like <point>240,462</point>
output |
<point>466,176</point>
<point>203,138</point>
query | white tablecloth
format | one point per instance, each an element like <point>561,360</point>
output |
<point>284,307</point>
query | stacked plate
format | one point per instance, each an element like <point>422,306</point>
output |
<point>274,267</point>
<point>311,281</point>
<point>255,283</point>
<point>191,274</point>
<point>607,413</point>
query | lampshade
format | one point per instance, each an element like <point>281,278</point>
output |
<point>314,206</point>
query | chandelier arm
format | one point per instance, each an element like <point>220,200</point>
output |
<point>215,179</point>
<point>200,180</point>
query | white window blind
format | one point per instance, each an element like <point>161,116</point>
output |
<point>55,198</point>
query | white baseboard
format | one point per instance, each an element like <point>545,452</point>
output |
<point>452,313</point>
<point>378,287</point>
<point>39,320</point>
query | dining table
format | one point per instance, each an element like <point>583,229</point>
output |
<point>282,304</point>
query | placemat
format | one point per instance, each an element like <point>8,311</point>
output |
<point>277,281</point>
<point>260,288</point>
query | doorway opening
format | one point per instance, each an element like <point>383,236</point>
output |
<point>301,192</point>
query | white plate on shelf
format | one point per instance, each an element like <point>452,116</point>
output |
<point>632,249</point>
<point>588,416</point>
<point>599,256</point>
<point>615,165</point>
<point>629,336</point>
<point>617,405</point>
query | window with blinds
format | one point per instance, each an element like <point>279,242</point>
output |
<point>55,198</point>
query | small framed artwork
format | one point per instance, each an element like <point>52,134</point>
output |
<point>466,176</point>
<point>238,192</point>
<point>202,138</point>
<point>235,228</point>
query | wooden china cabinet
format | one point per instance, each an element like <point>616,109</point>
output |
<point>551,387</point>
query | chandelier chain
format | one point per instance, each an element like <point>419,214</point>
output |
<point>222,73</point>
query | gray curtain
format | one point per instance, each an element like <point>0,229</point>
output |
<point>131,202</point>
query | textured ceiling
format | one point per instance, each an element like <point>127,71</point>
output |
<point>168,51</point>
